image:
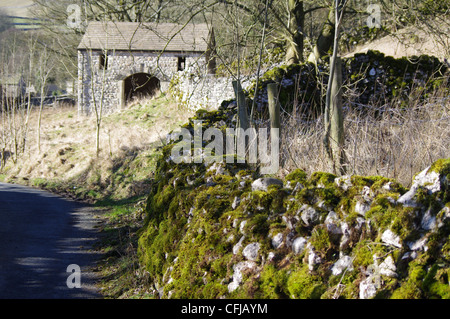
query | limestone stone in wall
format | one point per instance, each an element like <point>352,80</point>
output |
<point>205,91</point>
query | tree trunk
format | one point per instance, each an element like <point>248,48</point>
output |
<point>336,120</point>
<point>325,39</point>
<point>27,119</point>
<point>333,118</point>
<point>97,138</point>
<point>158,13</point>
<point>294,52</point>
<point>210,53</point>
<point>14,131</point>
<point>41,106</point>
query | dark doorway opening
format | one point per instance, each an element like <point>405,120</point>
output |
<point>181,63</point>
<point>140,85</point>
<point>103,61</point>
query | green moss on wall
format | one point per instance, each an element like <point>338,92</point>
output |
<point>196,233</point>
<point>372,77</point>
<point>301,284</point>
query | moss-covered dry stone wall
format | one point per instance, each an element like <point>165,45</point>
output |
<point>219,231</point>
<point>369,79</point>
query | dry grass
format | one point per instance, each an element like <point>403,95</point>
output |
<point>397,144</point>
<point>68,143</point>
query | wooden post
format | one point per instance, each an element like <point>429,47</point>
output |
<point>336,125</point>
<point>243,122</point>
<point>241,104</point>
<point>274,105</point>
<point>121,93</point>
<point>274,113</point>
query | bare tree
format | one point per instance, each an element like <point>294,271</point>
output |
<point>31,47</point>
<point>334,131</point>
<point>44,70</point>
<point>98,66</point>
<point>99,103</point>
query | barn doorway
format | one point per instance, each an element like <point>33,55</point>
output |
<point>140,85</point>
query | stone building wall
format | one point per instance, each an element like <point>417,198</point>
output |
<point>96,84</point>
<point>204,91</point>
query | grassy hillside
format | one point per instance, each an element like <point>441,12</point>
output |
<point>67,160</point>
<point>18,8</point>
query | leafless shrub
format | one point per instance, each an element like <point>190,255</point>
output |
<point>382,140</point>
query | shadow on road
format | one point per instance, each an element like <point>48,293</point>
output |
<point>41,234</point>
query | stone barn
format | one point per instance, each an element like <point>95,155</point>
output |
<point>120,61</point>
<point>12,87</point>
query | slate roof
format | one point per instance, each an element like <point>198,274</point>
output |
<point>136,36</point>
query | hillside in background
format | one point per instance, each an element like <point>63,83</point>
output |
<point>18,8</point>
<point>20,14</point>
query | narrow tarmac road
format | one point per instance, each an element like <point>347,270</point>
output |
<point>41,234</point>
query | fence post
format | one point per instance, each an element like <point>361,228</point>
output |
<point>241,104</point>
<point>336,125</point>
<point>242,122</point>
<point>274,105</point>
<point>275,123</point>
